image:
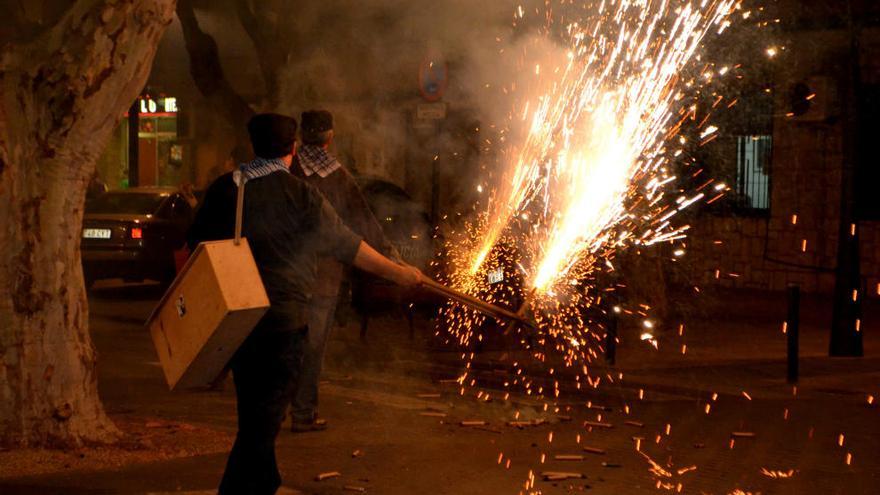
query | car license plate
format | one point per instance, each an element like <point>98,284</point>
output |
<point>96,233</point>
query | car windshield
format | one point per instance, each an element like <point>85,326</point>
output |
<point>126,203</point>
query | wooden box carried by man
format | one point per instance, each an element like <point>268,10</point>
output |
<point>208,311</point>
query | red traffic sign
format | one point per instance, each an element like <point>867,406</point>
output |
<point>433,79</point>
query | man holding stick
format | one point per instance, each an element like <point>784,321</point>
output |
<point>288,223</point>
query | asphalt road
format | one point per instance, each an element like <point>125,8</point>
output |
<point>395,425</point>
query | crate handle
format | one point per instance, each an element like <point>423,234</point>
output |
<point>239,205</point>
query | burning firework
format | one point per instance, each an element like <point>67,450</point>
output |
<point>596,141</point>
<point>590,174</point>
<point>593,172</point>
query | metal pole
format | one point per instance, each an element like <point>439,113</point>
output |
<point>435,191</point>
<point>134,143</point>
<point>792,331</point>
<point>845,339</point>
<point>611,339</point>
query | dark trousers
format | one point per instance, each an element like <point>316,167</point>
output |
<point>264,369</point>
<point>304,398</point>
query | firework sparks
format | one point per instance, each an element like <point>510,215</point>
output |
<point>590,178</point>
<point>589,173</point>
<point>600,130</point>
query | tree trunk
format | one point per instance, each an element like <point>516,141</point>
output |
<point>61,95</point>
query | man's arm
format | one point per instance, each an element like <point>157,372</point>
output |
<point>203,218</point>
<point>370,260</point>
<point>338,240</point>
<point>210,222</point>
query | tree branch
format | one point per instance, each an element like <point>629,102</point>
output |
<point>271,42</point>
<point>207,73</point>
<point>249,21</point>
<point>30,19</point>
<point>96,48</point>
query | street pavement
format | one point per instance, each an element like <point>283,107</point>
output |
<point>396,419</point>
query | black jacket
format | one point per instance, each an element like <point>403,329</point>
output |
<point>288,224</point>
<point>215,217</point>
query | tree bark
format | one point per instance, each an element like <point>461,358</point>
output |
<point>61,95</point>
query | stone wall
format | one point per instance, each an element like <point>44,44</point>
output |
<point>796,241</point>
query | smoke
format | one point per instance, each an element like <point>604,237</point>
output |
<point>353,50</point>
<point>361,61</point>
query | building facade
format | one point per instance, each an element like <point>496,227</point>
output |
<point>806,172</point>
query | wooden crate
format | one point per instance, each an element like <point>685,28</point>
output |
<point>210,308</point>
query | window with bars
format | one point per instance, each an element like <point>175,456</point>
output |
<point>753,154</point>
<point>741,155</point>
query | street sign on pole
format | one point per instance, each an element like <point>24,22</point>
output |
<point>433,79</point>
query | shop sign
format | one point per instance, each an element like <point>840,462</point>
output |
<point>158,105</point>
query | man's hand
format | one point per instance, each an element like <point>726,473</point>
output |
<point>187,190</point>
<point>408,275</point>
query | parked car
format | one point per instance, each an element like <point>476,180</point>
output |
<point>132,234</point>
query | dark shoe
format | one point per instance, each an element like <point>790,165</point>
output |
<point>307,426</point>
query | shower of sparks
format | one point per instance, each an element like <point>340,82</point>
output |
<point>591,174</point>
<point>595,175</point>
<point>595,143</point>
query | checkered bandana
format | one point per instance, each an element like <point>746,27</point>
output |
<point>316,160</point>
<point>259,167</point>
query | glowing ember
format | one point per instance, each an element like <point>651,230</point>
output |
<point>777,474</point>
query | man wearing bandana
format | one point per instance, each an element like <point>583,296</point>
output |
<point>316,165</point>
<point>287,223</point>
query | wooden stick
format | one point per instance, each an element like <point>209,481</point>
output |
<point>560,475</point>
<point>473,302</point>
<point>568,457</point>
<point>473,423</point>
<point>598,424</point>
<point>521,312</point>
